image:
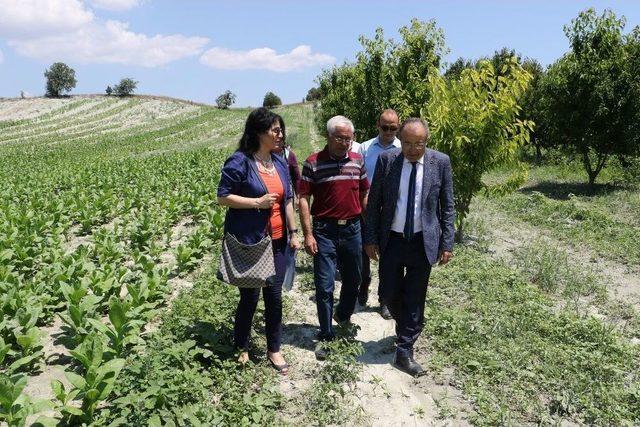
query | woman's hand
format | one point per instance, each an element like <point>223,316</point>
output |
<point>266,201</point>
<point>294,242</point>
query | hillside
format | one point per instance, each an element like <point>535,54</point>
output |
<point>108,212</point>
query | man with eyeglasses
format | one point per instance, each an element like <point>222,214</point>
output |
<point>336,178</point>
<point>387,125</point>
<point>410,216</point>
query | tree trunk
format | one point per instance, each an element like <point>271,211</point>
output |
<point>592,171</point>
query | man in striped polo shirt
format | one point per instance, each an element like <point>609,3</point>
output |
<point>336,179</point>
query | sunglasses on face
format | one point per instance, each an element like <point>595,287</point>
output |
<point>387,128</point>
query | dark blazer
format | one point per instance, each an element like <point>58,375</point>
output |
<point>240,176</point>
<point>438,213</point>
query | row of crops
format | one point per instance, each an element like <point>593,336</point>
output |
<point>91,198</point>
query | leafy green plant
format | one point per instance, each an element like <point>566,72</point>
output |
<point>328,399</point>
<point>186,258</point>
<point>97,381</point>
<point>81,306</point>
<point>15,406</point>
<point>124,330</point>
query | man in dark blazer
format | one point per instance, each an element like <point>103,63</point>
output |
<point>409,217</point>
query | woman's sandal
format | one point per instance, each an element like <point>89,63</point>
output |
<point>282,369</point>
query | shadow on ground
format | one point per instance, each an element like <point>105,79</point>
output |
<point>301,335</point>
<point>378,352</point>
<point>562,190</point>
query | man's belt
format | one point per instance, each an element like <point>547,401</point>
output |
<point>337,221</point>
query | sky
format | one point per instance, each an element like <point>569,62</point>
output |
<point>197,49</point>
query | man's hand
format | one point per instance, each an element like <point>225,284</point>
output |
<point>310,244</point>
<point>372,251</point>
<point>445,257</point>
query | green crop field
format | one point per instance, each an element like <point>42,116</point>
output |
<point>110,313</point>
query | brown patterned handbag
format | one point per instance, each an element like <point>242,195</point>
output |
<point>247,266</point>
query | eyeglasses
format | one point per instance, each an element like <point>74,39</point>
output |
<point>344,139</point>
<point>277,131</point>
<point>387,128</point>
<point>417,146</point>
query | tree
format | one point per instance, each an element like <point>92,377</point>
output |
<point>475,120</point>
<point>313,95</point>
<point>271,100</point>
<point>385,74</point>
<point>590,95</point>
<point>225,100</point>
<point>532,106</point>
<point>109,91</point>
<point>60,79</point>
<point>474,117</point>
<point>455,69</point>
<point>126,87</point>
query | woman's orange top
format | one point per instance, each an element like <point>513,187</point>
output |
<point>274,185</point>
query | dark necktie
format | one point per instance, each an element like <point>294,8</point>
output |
<point>411,196</point>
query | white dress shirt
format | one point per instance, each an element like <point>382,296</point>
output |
<point>355,147</point>
<point>401,205</point>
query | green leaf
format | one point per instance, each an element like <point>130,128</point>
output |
<point>23,361</point>
<point>154,421</point>
<point>93,395</point>
<point>76,380</point>
<point>58,390</point>
<point>117,314</point>
<point>72,410</point>
<point>11,388</point>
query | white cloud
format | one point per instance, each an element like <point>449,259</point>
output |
<point>1,57</point>
<point>111,42</point>
<point>264,58</point>
<point>33,18</point>
<point>116,5</point>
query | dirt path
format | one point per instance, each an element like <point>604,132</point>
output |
<point>385,395</point>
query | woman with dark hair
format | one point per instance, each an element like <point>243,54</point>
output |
<point>255,186</point>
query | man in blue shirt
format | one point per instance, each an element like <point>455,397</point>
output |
<point>387,125</point>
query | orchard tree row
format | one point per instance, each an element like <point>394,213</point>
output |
<point>482,112</point>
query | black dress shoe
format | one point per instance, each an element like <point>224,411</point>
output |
<point>384,312</point>
<point>321,351</point>
<point>408,365</point>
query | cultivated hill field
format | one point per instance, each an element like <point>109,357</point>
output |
<point>111,313</point>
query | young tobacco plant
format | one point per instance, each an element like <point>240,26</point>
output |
<point>124,329</point>
<point>93,386</point>
<point>81,306</point>
<point>15,406</point>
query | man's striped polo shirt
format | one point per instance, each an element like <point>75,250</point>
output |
<point>336,185</point>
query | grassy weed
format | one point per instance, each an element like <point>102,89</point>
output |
<point>522,360</point>
<point>578,223</point>
<point>330,396</point>
<point>548,267</point>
